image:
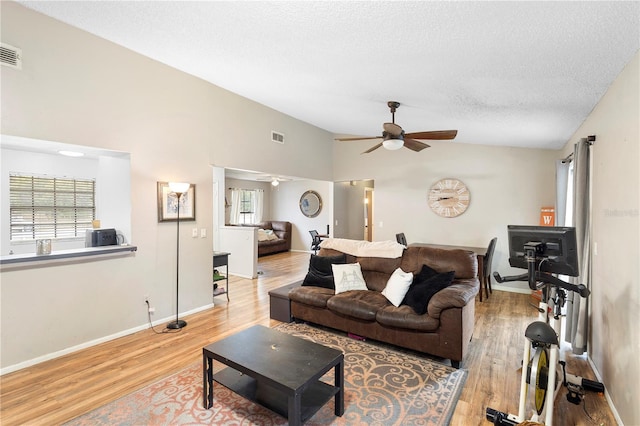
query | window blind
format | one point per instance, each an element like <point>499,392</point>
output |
<point>50,207</point>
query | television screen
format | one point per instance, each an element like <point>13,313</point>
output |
<point>557,253</point>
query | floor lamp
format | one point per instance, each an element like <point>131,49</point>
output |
<point>178,189</point>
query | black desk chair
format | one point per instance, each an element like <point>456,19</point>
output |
<point>486,269</point>
<point>400,238</point>
<point>315,241</point>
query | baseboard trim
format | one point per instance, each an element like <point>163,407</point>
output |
<point>606,391</point>
<point>85,345</point>
<point>511,289</point>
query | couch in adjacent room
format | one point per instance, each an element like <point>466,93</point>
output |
<point>403,302</point>
<point>274,236</point>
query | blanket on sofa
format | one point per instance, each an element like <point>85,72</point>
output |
<point>360,248</point>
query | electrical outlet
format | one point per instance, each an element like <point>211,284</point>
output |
<point>152,310</point>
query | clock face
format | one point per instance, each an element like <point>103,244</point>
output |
<point>449,197</point>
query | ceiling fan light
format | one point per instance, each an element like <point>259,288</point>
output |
<point>393,144</point>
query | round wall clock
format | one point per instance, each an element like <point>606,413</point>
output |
<point>449,197</point>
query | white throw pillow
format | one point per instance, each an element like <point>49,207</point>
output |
<point>270,234</point>
<point>348,277</point>
<point>397,286</point>
<point>262,235</point>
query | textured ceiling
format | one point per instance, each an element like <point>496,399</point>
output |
<point>503,73</point>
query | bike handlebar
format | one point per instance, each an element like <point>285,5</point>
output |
<point>546,278</point>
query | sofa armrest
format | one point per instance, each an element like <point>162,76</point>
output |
<point>454,296</point>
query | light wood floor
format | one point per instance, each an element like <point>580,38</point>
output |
<point>59,390</point>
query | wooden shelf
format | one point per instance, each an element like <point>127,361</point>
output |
<point>220,258</point>
<point>316,395</point>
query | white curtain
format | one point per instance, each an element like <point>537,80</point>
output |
<point>259,207</point>
<point>234,216</point>
<point>577,307</point>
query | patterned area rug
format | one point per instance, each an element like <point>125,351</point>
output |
<point>382,387</point>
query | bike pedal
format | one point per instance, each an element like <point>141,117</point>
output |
<point>575,393</point>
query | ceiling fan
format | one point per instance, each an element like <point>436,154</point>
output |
<point>393,137</point>
<point>275,180</point>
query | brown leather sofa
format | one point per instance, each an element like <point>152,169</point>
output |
<point>282,229</point>
<point>446,328</point>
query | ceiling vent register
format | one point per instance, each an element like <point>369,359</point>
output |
<point>277,137</point>
<point>10,56</point>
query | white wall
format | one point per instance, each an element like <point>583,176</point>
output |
<point>242,244</point>
<point>615,299</point>
<point>349,209</point>
<point>508,186</point>
<point>286,206</point>
<point>105,96</point>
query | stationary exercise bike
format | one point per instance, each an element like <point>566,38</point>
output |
<point>546,250</point>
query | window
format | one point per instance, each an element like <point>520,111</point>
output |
<point>247,206</point>
<point>49,207</point>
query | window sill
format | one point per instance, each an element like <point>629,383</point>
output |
<point>27,260</point>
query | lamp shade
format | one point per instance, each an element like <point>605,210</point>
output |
<point>393,144</point>
<point>179,187</point>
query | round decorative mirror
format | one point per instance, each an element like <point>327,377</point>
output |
<point>310,204</point>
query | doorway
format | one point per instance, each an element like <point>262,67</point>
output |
<point>368,214</point>
<point>351,214</point>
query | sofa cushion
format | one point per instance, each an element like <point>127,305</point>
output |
<point>464,262</point>
<point>458,294</point>
<point>421,291</point>
<point>320,272</point>
<point>361,304</point>
<point>397,286</point>
<point>313,296</point>
<point>405,317</point>
<point>348,277</point>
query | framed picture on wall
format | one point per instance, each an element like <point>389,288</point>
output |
<point>168,204</point>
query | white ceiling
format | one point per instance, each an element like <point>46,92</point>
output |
<point>503,73</point>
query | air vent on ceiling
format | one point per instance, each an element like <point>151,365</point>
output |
<point>277,137</point>
<point>10,56</point>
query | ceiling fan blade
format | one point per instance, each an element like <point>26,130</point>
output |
<point>415,145</point>
<point>392,128</point>
<point>436,135</point>
<point>359,139</point>
<point>373,148</point>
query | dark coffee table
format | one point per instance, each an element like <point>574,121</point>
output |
<point>276,370</point>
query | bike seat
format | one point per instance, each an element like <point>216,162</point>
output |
<point>542,332</point>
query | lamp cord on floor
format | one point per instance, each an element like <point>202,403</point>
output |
<point>165,330</point>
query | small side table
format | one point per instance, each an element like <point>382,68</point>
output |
<point>221,258</point>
